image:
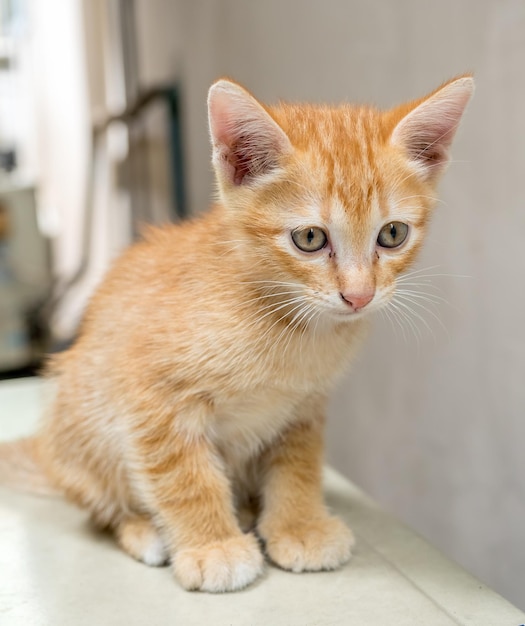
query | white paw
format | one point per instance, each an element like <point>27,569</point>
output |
<point>226,565</point>
<point>323,544</point>
<point>154,552</point>
<point>139,538</point>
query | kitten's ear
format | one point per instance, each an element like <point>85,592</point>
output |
<point>247,142</point>
<point>426,131</point>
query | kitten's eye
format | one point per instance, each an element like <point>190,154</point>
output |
<point>392,235</point>
<point>309,239</point>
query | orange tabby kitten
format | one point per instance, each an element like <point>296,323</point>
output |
<point>196,391</point>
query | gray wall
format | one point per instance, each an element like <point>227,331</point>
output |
<point>430,426</point>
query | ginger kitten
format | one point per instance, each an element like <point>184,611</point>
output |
<point>196,391</point>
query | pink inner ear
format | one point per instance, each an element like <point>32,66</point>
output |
<point>429,145</point>
<point>247,141</point>
<point>219,117</point>
<point>243,159</point>
<point>426,133</point>
<point>226,136</point>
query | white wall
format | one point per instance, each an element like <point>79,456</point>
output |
<point>434,429</point>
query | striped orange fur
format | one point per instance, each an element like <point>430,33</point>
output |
<point>194,398</point>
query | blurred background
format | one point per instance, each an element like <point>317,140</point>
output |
<point>103,126</point>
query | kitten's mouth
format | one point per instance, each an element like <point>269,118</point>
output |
<point>351,315</point>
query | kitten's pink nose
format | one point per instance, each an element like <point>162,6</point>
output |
<point>357,300</point>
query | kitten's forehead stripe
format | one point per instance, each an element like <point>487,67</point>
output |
<point>341,144</point>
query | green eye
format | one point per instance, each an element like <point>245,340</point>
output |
<point>392,235</point>
<point>309,239</point>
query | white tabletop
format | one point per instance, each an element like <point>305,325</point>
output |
<point>55,570</point>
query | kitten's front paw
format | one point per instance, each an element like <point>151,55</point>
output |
<point>322,544</point>
<point>226,565</point>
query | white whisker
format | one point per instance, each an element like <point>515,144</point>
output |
<point>277,307</point>
<point>433,198</point>
<point>427,297</point>
<point>408,299</point>
<point>282,317</point>
<point>385,314</point>
<point>403,311</point>
<point>405,303</point>
<point>398,317</point>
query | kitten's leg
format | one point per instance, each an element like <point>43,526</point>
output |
<point>299,533</point>
<point>191,495</point>
<point>138,537</point>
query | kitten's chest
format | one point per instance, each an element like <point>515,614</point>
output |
<point>269,390</point>
<point>247,423</point>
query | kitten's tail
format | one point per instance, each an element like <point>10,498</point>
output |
<point>22,469</point>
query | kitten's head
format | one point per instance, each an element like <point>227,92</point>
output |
<point>332,202</point>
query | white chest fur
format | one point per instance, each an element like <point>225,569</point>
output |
<point>245,424</point>
<point>251,417</point>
